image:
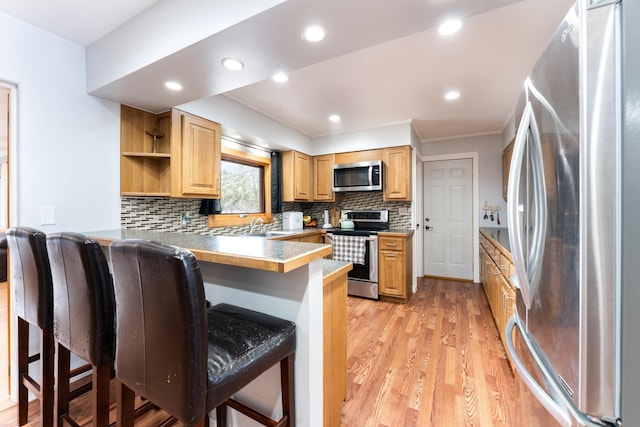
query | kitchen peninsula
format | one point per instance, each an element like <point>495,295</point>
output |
<point>291,280</point>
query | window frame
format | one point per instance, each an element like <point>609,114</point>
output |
<point>233,219</point>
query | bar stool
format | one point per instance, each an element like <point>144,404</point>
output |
<point>33,305</point>
<point>83,319</point>
<point>183,357</point>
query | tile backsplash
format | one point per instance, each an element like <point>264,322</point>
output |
<point>166,214</point>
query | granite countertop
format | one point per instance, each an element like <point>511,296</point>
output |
<point>262,254</point>
<point>499,235</point>
<point>407,232</point>
<point>332,269</point>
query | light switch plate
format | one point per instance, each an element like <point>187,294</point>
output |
<point>47,215</point>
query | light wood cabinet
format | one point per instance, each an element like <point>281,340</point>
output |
<point>334,345</point>
<point>323,178</point>
<point>145,167</point>
<point>496,268</point>
<point>395,266</point>
<point>397,173</point>
<point>316,236</point>
<point>506,163</point>
<point>200,153</point>
<point>183,160</point>
<point>296,177</point>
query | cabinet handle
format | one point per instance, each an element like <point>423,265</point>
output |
<point>505,301</point>
<point>391,244</point>
<point>390,255</point>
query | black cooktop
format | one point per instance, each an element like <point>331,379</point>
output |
<point>353,232</point>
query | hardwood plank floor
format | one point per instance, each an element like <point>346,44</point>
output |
<point>5,401</point>
<point>436,361</point>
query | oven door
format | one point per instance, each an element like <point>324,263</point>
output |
<point>363,278</point>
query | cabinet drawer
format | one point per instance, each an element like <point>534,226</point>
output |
<point>391,243</point>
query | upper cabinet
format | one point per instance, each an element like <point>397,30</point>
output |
<point>145,153</point>
<point>506,163</point>
<point>323,178</point>
<point>397,173</point>
<point>199,151</point>
<point>296,177</point>
<point>168,154</point>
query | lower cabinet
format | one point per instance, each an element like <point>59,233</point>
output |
<point>395,266</point>
<point>496,268</point>
<point>334,346</point>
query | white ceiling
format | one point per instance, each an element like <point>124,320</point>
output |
<point>381,63</point>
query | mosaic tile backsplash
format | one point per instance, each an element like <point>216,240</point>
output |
<point>166,214</point>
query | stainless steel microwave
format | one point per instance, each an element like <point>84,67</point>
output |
<point>361,176</point>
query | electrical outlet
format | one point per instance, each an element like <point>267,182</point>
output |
<point>404,211</point>
<point>47,215</point>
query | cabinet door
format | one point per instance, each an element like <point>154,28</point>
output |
<point>391,273</point>
<point>397,173</point>
<point>296,177</point>
<point>506,164</point>
<point>200,157</point>
<point>323,177</point>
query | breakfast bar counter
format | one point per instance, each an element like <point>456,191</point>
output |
<point>242,251</point>
<point>284,279</point>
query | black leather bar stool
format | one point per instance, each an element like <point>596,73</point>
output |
<point>183,357</point>
<point>83,319</point>
<point>33,291</point>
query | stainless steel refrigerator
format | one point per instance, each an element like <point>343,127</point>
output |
<point>572,200</point>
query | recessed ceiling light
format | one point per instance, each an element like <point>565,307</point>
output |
<point>280,77</point>
<point>334,118</point>
<point>264,145</point>
<point>313,33</point>
<point>232,64</point>
<point>450,27</point>
<point>451,95</point>
<point>236,136</point>
<point>173,85</point>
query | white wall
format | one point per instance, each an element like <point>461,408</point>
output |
<point>367,139</point>
<point>232,114</point>
<point>66,151</point>
<point>489,149</point>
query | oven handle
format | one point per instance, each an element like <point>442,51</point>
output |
<point>369,239</point>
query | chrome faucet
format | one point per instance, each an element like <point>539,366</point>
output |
<point>255,222</point>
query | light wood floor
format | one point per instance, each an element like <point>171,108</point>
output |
<point>436,361</point>
<point>5,402</point>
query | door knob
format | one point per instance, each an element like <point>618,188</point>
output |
<point>426,227</point>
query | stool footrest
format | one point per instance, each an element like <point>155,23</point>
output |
<point>252,413</point>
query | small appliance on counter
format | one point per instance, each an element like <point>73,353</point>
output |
<point>291,220</point>
<point>327,222</point>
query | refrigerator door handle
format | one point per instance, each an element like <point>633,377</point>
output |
<point>557,410</point>
<point>514,208</point>
<point>561,408</point>
<point>536,252</point>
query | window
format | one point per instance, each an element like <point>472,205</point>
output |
<point>246,189</point>
<point>242,188</point>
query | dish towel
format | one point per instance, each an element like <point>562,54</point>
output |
<point>349,248</point>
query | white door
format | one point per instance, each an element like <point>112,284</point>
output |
<point>448,222</point>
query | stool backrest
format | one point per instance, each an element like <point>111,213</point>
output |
<point>161,326</point>
<point>31,276</point>
<point>84,307</point>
